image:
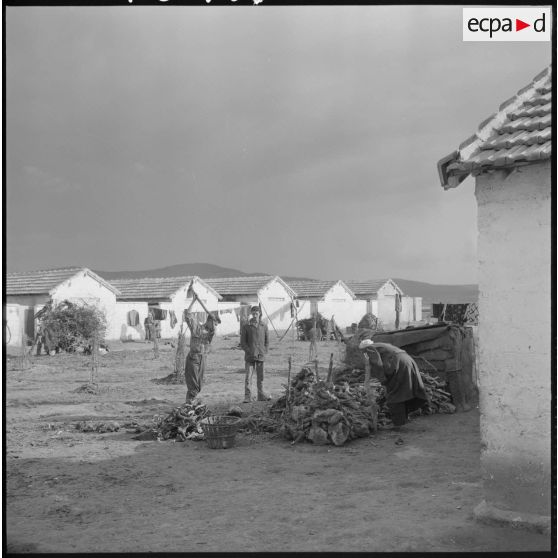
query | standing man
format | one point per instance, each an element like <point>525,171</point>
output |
<point>148,324</point>
<point>201,335</point>
<point>400,376</point>
<point>254,341</point>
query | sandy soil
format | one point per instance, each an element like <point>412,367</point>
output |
<point>71,491</point>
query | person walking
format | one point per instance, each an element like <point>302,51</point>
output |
<point>400,376</point>
<point>254,341</point>
<point>201,335</point>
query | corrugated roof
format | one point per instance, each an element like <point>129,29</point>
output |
<point>245,285</point>
<point>368,287</point>
<point>154,287</point>
<point>519,133</point>
<point>44,281</point>
<point>314,288</point>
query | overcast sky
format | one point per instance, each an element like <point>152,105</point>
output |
<point>289,140</point>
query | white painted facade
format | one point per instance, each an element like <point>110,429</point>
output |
<point>514,337</point>
<point>338,302</point>
<point>80,288</point>
<point>411,311</point>
<point>230,324</point>
<point>275,300</point>
<point>118,326</point>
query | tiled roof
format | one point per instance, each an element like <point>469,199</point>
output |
<point>46,280</point>
<point>313,288</point>
<point>245,285</point>
<point>519,133</point>
<point>368,287</point>
<point>154,287</point>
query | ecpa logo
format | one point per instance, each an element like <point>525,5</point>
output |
<point>507,24</point>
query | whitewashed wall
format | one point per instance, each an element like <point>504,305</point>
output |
<point>83,288</point>
<point>117,322</point>
<point>341,305</point>
<point>276,306</point>
<point>386,305</point>
<point>230,325</point>
<point>411,310</point>
<point>514,251</point>
<point>14,315</point>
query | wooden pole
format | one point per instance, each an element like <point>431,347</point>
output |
<point>155,341</point>
<point>330,371</point>
<point>371,402</point>
<point>288,405</point>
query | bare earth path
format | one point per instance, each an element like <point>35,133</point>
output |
<point>70,491</point>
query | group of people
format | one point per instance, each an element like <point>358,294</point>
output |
<point>254,341</point>
<point>396,370</point>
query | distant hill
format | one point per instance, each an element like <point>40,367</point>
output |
<point>449,294</point>
<point>202,270</point>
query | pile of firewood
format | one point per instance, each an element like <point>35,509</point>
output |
<point>440,399</point>
<point>323,412</point>
<point>182,423</point>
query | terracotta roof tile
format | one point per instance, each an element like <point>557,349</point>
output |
<point>520,132</point>
<point>44,281</point>
<point>315,288</point>
<point>368,287</point>
<point>245,285</point>
<point>151,288</point>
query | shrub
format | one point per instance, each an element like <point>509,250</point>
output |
<point>72,325</point>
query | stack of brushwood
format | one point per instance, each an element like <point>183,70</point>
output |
<point>323,412</point>
<point>182,423</point>
<point>440,398</point>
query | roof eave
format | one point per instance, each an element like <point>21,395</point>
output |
<point>450,180</point>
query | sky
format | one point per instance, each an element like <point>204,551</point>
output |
<point>296,141</point>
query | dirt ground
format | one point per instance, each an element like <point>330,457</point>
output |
<point>71,491</point>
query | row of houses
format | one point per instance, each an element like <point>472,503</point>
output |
<point>126,302</point>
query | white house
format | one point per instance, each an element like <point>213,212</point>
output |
<point>510,158</point>
<point>272,293</point>
<point>167,293</point>
<point>27,292</point>
<point>385,299</point>
<point>330,299</point>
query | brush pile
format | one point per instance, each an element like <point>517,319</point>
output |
<point>182,423</point>
<point>440,398</point>
<point>323,412</point>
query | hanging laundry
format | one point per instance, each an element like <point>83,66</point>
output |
<point>437,310</point>
<point>133,318</point>
<point>173,320</point>
<point>158,313</point>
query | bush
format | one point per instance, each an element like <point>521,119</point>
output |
<point>72,325</point>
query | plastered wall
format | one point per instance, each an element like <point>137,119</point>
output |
<point>514,337</point>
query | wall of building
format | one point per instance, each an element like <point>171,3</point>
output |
<point>514,248</point>
<point>340,304</point>
<point>276,306</point>
<point>13,314</point>
<point>230,323</point>
<point>411,311</point>
<point>118,326</point>
<point>81,288</point>
<point>386,305</point>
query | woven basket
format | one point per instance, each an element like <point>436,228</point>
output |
<point>220,431</point>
